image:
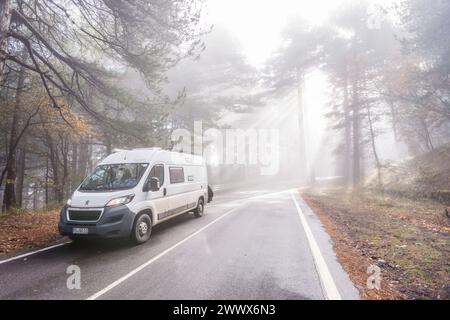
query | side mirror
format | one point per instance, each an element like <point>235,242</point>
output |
<point>154,184</point>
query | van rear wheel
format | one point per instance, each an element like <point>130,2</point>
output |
<point>142,229</point>
<point>198,212</point>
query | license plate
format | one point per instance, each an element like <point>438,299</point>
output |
<point>80,230</point>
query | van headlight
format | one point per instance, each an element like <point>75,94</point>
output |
<point>69,202</point>
<point>120,201</point>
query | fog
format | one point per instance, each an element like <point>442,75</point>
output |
<point>299,148</point>
<point>237,44</point>
<point>332,90</point>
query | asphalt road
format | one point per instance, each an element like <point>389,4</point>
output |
<point>252,243</point>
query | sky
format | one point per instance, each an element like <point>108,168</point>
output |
<point>258,24</point>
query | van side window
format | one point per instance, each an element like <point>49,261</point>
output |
<point>176,174</point>
<point>158,172</point>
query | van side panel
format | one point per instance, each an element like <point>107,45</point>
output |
<point>145,205</point>
<point>183,196</point>
<point>192,180</point>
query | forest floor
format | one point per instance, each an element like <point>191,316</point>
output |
<point>22,230</point>
<point>408,239</point>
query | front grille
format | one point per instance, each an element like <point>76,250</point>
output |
<point>84,215</point>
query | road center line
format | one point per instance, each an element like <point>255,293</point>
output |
<point>62,244</point>
<point>33,252</point>
<point>149,262</point>
<point>329,287</point>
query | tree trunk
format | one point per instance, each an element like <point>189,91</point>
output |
<point>35,197</point>
<point>356,172</point>
<point>83,159</point>
<point>356,127</point>
<point>57,185</point>
<point>303,166</point>
<point>9,196</point>
<point>20,176</point>
<point>348,133</point>
<point>89,156</point>
<point>74,180</point>
<point>65,176</point>
<point>46,181</point>
<point>108,144</point>
<point>5,21</point>
<point>428,141</point>
<point>374,150</point>
<point>394,119</point>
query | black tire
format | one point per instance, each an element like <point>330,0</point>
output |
<point>210,194</point>
<point>198,212</point>
<point>142,229</point>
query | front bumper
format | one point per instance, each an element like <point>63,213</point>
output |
<point>115,222</point>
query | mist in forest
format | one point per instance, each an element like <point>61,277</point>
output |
<point>344,91</point>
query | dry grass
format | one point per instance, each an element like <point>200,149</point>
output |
<point>408,239</point>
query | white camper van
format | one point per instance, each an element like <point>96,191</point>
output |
<point>132,190</point>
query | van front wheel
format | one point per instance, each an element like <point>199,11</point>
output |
<point>142,228</point>
<point>198,212</point>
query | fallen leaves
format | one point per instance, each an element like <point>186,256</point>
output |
<point>405,238</point>
<point>24,230</point>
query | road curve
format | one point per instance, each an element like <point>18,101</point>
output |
<point>251,244</point>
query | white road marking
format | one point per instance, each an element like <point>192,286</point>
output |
<point>267,194</point>
<point>149,262</point>
<point>244,199</point>
<point>33,252</point>
<point>329,287</point>
<point>62,244</point>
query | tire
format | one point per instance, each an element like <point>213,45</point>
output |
<point>142,229</point>
<point>198,212</point>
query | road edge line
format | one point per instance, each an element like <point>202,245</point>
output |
<point>24,255</point>
<point>33,252</point>
<point>328,284</point>
<point>149,262</point>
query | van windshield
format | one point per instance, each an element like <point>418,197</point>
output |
<point>114,177</point>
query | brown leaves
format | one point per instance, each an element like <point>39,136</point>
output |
<point>64,121</point>
<point>23,230</point>
<point>38,108</point>
<point>400,235</point>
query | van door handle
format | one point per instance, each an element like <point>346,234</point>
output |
<point>164,192</point>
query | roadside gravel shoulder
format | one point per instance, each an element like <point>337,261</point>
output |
<point>408,240</point>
